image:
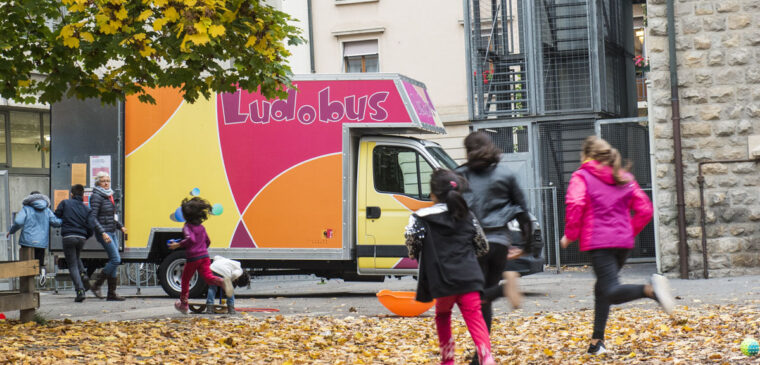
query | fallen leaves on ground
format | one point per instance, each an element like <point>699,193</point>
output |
<point>707,334</point>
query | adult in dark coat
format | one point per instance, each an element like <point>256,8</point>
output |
<point>105,224</point>
<point>75,229</point>
<point>494,195</point>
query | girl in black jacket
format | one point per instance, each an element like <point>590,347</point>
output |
<point>446,240</point>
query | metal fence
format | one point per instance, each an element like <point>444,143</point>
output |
<point>542,202</point>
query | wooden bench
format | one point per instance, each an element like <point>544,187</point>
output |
<point>26,299</point>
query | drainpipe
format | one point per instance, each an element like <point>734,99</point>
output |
<point>311,38</point>
<point>683,249</point>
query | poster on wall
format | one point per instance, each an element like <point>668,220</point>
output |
<point>79,174</point>
<point>98,164</point>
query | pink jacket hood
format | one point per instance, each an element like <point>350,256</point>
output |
<point>602,172</point>
<point>598,211</point>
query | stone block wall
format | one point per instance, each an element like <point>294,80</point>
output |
<point>718,54</point>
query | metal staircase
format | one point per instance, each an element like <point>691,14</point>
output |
<point>498,58</point>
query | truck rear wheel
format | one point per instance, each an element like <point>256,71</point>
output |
<point>170,277</point>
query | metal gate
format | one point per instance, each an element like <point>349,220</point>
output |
<point>632,138</point>
<point>519,145</point>
<point>515,140</point>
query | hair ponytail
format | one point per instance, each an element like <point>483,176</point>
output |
<point>456,204</point>
<point>595,148</point>
<point>447,187</point>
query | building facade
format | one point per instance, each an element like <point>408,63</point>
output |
<point>378,36</point>
<point>718,82</point>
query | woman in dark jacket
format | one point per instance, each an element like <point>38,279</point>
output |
<point>75,229</point>
<point>105,224</point>
<point>495,197</point>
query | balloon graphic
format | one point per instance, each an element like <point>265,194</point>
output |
<point>195,192</point>
<point>217,209</point>
<point>177,215</point>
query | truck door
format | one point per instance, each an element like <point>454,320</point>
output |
<point>394,181</point>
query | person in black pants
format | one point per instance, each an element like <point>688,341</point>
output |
<point>605,210</point>
<point>34,220</point>
<point>75,229</point>
<point>495,197</point>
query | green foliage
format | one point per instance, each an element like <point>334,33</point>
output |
<point>108,49</point>
<point>39,319</point>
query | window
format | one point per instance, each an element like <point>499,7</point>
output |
<point>360,56</point>
<point>28,134</point>
<point>442,157</point>
<point>401,170</point>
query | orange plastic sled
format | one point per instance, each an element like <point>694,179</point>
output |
<point>402,303</point>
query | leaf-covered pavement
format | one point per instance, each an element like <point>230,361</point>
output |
<point>704,335</point>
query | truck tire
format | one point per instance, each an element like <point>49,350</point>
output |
<point>170,277</point>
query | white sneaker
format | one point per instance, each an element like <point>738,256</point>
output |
<point>597,349</point>
<point>662,293</point>
<point>229,290</point>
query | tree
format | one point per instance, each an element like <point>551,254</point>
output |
<point>108,49</point>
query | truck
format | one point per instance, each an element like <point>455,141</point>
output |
<point>320,182</point>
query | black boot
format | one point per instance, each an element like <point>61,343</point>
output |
<point>95,287</point>
<point>80,296</point>
<point>112,296</point>
<point>85,281</point>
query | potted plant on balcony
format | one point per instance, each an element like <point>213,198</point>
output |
<point>641,64</point>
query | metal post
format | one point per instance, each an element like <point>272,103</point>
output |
<point>556,228</point>
<point>137,267</point>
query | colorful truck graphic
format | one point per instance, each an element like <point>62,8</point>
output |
<point>319,182</point>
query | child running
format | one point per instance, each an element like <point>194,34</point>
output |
<point>224,267</point>
<point>599,201</point>
<point>446,240</point>
<point>195,243</point>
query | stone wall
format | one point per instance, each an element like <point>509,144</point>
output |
<point>718,53</point>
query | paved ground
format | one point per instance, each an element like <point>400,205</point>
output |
<point>546,291</point>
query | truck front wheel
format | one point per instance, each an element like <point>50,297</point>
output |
<point>170,277</point>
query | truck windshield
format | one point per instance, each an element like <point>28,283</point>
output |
<point>442,157</point>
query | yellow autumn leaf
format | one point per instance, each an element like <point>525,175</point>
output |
<point>251,41</point>
<point>198,38</point>
<point>101,19</point>
<point>76,8</point>
<point>216,30</point>
<point>24,83</point>
<point>122,14</point>
<point>200,28</point>
<point>147,51</point>
<point>71,42</point>
<point>139,36</point>
<point>145,14</point>
<point>67,31</point>
<point>171,14</point>
<point>87,36</point>
<point>159,24</point>
<point>548,352</point>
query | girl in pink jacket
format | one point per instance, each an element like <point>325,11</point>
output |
<point>600,198</point>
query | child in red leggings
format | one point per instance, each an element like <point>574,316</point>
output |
<point>446,240</point>
<point>195,243</point>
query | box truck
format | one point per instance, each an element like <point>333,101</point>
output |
<point>321,182</point>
